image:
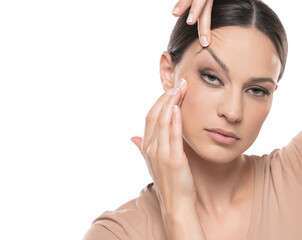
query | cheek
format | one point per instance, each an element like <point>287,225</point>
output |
<point>196,106</point>
<point>256,114</point>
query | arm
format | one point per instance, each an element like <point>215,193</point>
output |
<point>291,158</point>
<point>183,226</point>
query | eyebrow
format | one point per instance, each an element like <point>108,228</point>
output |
<point>258,80</point>
<point>217,59</point>
<point>226,69</point>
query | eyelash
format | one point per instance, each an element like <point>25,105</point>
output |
<point>206,76</point>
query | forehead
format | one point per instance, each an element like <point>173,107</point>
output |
<point>246,52</point>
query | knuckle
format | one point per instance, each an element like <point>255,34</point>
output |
<point>197,6</point>
<point>174,136</point>
<point>144,150</point>
<point>151,152</point>
<point>183,3</point>
<point>162,123</point>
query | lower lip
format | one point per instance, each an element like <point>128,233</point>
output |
<point>221,138</point>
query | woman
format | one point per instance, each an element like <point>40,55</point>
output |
<point>215,102</point>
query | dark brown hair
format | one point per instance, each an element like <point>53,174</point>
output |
<point>244,13</point>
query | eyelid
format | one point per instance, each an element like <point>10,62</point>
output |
<point>209,72</point>
<point>265,91</point>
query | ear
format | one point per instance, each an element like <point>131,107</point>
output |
<point>166,71</point>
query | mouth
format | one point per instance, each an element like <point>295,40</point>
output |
<point>222,136</point>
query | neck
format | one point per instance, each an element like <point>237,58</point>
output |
<point>218,185</point>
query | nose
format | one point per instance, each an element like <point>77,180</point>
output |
<point>231,107</point>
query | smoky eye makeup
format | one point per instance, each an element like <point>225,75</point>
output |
<point>258,91</point>
<point>209,77</point>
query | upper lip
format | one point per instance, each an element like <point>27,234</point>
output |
<point>223,132</point>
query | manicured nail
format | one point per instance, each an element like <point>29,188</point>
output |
<point>175,109</point>
<point>180,83</point>
<point>175,10</point>
<point>172,91</point>
<point>204,41</point>
<point>190,18</point>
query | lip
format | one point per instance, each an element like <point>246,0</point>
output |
<point>222,136</point>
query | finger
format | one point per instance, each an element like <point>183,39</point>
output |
<point>138,142</point>
<point>153,114</point>
<point>184,89</point>
<point>176,133</point>
<point>195,11</point>
<point>164,125</point>
<point>180,7</point>
<point>204,24</point>
<point>151,120</point>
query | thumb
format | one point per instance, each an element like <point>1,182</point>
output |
<point>137,141</point>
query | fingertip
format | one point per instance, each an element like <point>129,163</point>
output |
<point>204,40</point>
<point>135,139</point>
<point>175,11</point>
<point>176,125</point>
<point>175,109</point>
<point>190,18</point>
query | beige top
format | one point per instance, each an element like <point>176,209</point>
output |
<point>277,211</point>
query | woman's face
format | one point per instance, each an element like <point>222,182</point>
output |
<point>230,86</point>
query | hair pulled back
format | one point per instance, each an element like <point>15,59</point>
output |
<point>243,13</point>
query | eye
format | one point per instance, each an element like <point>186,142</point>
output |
<point>258,92</point>
<point>210,79</point>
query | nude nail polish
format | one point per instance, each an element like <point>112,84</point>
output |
<point>175,108</point>
<point>175,10</point>
<point>204,41</point>
<point>180,83</point>
<point>172,91</point>
<point>190,18</point>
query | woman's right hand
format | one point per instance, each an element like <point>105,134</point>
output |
<point>162,148</point>
<point>200,11</point>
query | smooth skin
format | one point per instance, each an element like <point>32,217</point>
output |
<point>206,188</point>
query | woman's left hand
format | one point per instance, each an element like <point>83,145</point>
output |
<point>200,11</point>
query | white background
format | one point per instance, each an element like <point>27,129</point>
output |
<point>76,81</point>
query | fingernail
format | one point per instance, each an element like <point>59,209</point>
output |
<point>204,41</point>
<point>175,10</point>
<point>175,108</point>
<point>180,83</point>
<point>190,18</point>
<point>172,91</point>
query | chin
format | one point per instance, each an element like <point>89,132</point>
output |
<point>214,152</point>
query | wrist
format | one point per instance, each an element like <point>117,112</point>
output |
<point>183,223</point>
<point>177,211</point>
